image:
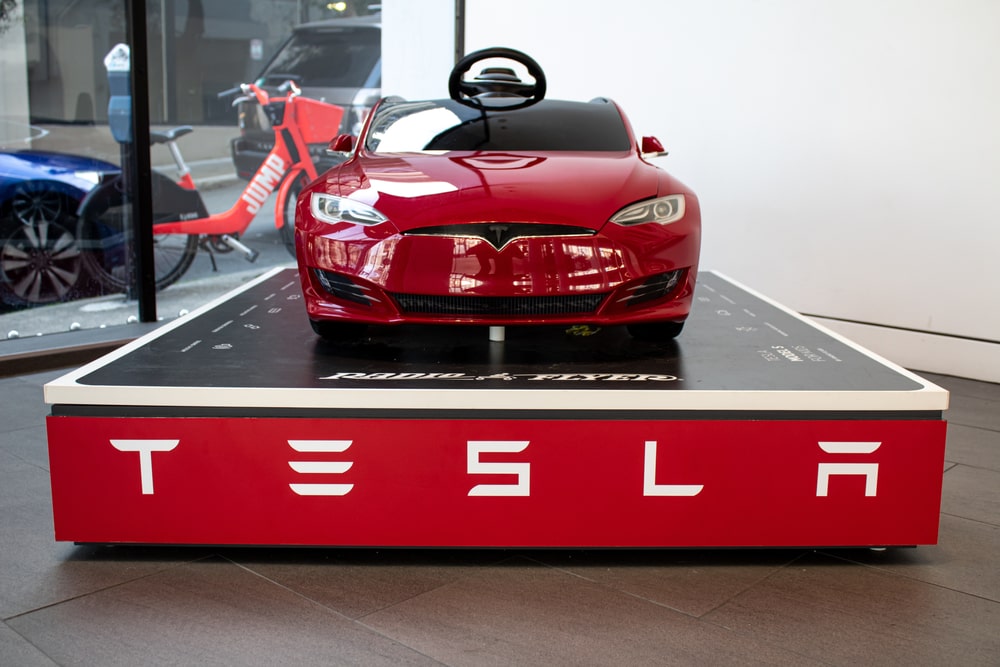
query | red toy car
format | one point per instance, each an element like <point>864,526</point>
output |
<point>498,207</point>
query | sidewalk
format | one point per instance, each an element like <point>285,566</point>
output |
<point>67,334</point>
<point>115,309</point>
<point>206,143</point>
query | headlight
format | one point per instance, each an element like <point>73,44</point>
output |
<point>91,177</point>
<point>328,208</point>
<point>663,210</point>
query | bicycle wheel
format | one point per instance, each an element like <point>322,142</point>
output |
<point>107,251</point>
<point>288,229</point>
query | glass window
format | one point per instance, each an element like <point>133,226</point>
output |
<point>67,232</point>
<point>446,125</point>
<point>327,57</point>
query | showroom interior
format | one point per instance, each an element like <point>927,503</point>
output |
<point>844,156</point>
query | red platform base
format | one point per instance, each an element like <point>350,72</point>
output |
<point>587,456</point>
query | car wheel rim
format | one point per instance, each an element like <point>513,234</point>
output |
<point>41,263</point>
<point>32,208</point>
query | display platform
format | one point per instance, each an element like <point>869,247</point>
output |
<point>236,425</point>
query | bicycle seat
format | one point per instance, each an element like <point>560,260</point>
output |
<point>169,135</point>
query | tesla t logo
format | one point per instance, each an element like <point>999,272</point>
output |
<point>145,449</point>
<point>867,470</point>
<point>500,231</point>
<point>321,467</point>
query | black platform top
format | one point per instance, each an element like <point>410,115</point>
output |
<point>254,348</point>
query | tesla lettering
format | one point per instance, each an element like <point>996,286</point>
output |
<point>649,485</point>
<point>477,467</point>
<point>145,449</point>
<point>321,467</point>
<point>867,470</point>
<point>519,470</point>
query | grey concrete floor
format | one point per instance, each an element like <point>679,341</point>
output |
<point>62,604</point>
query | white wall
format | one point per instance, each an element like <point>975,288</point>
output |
<point>847,154</point>
<point>418,47</point>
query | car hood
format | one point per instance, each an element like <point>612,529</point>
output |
<point>35,164</point>
<point>580,189</point>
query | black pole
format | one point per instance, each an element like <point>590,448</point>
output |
<point>141,172</point>
<point>459,30</point>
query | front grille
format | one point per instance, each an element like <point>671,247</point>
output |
<point>499,234</point>
<point>499,306</point>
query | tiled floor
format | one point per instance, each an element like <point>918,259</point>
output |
<point>69,605</point>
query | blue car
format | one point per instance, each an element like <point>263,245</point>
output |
<point>40,255</point>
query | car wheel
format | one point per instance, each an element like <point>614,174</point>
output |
<point>32,205</point>
<point>655,331</point>
<point>338,331</point>
<point>40,259</point>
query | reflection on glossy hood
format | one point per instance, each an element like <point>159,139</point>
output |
<point>582,189</point>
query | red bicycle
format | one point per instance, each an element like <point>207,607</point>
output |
<point>181,223</point>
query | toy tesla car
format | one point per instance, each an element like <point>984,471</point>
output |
<point>498,207</point>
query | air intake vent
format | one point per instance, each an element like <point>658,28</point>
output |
<point>343,287</point>
<point>499,306</point>
<point>655,287</point>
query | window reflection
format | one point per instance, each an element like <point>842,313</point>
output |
<point>55,106</point>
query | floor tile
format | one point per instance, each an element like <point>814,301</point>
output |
<point>24,404</point>
<point>29,445</point>
<point>35,570</point>
<point>207,613</point>
<point>692,582</point>
<point>526,613</point>
<point>16,651</point>
<point>973,446</point>
<point>972,493</point>
<point>358,582</point>
<point>848,614</point>
<point>964,559</point>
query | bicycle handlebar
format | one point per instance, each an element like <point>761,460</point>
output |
<point>254,93</point>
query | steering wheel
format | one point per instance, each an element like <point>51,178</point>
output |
<point>495,81</point>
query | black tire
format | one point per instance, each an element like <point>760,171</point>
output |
<point>655,331</point>
<point>105,244</point>
<point>40,257</point>
<point>287,230</point>
<point>338,331</point>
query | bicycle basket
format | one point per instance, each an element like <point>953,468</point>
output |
<point>319,121</point>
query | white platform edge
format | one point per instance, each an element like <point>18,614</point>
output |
<point>66,390</point>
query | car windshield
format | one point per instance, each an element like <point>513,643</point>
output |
<point>445,125</point>
<point>331,58</point>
